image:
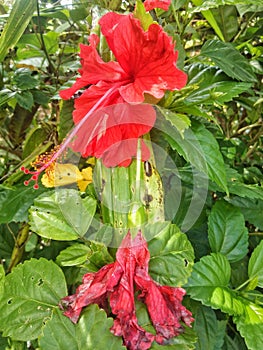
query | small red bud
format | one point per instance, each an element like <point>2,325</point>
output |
<point>36,187</point>
<point>26,183</point>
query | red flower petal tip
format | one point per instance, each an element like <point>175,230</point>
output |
<point>152,4</point>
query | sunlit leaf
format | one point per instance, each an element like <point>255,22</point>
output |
<point>252,332</point>
<point>20,15</point>
<point>91,332</point>
<point>255,265</point>
<point>179,121</point>
<point>31,292</point>
<point>53,215</point>
<point>208,4</point>
<point>209,283</point>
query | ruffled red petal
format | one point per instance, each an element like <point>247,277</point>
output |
<point>94,69</point>
<point>148,57</point>
<point>111,133</point>
<point>152,4</point>
<point>92,291</point>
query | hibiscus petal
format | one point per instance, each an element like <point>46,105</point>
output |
<point>122,152</point>
<point>104,131</point>
<point>135,337</point>
<point>164,306</point>
<point>152,4</point>
<point>91,96</point>
<point>94,69</point>
<point>148,57</point>
<point>93,290</point>
<point>122,299</point>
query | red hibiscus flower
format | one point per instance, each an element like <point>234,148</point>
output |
<point>146,64</point>
<point>114,283</point>
<point>161,4</point>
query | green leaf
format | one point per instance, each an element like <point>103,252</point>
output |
<point>229,59</point>
<point>25,99</point>
<point>2,279</point>
<point>250,331</point>
<point>74,255</point>
<point>255,265</point>
<point>4,343</point>
<point>15,202</point>
<point>243,190</point>
<point>62,215</point>
<point>65,118</point>
<point>91,332</point>
<point>40,97</point>
<point>198,147</point>
<point>210,331</point>
<point>31,291</point>
<point>249,7</point>
<point>252,209</point>
<point>179,121</point>
<point>207,4</point>
<point>35,137</point>
<point>24,80</point>
<point>218,92</point>
<point>185,341</point>
<point>144,17</point>
<point>172,256</point>
<point>227,20</point>
<point>211,85</point>
<point>20,15</point>
<point>227,232</point>
<point>6,95</point>
<point>209,284</point>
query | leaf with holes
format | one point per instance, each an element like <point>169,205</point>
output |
<point>91,332</point>
<point>53,215</point>
<point>31,292</point>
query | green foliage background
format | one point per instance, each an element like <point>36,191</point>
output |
<point>212,131</point>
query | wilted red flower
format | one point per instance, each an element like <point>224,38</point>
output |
<point>152,4</point>
<point>115,283</point>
